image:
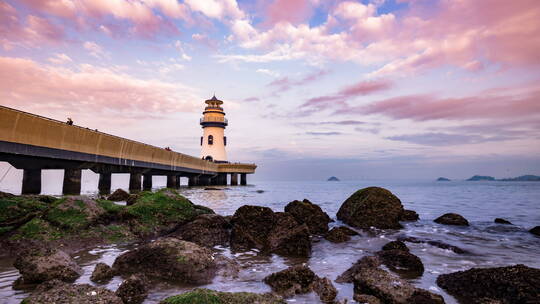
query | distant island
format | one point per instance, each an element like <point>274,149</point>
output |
<point>523,178</point>
<point>481,178</point>
<point>333,179</point>
<point>443,179</point>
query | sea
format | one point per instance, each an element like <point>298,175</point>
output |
<point>488,244</point>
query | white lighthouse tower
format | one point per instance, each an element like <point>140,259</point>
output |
<point>213,122</point>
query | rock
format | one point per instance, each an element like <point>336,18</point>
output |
<point>511,284</point>
<point>291,281</point>
<point>44,264</point>
<point>118,195</point>
<point>365,262</point>
<point>6,195</point>
<point>502,221</point>
<point>325,290</point>
<point>169,259</point>
<point>133,290</point>
<point>305,212</point>
<point>340,234</point>
<point>207,296</point>
<point>443,179</point>
<point>261,228</point>
<point>206,230</point>
<point>409,216</point>
<point>75,213</point>
<point>439,244</point>
<point>260,191</point>
<point>395,245</point>
<point>288,238</point>
<point>387,287</point>
<point>15,211</point>
<point>366,299</point>
<point>372,207</point>
<point>67,293</point>
<point>333,179</point>
<point>212,189</point>
<point>452,219</point>
<point>402,262</point>
<point>421,296</point>
<point>481,178</point>
<point>102,273</point>
<point>132,199</point>
<point>251,227</point>
<point>535,230</point>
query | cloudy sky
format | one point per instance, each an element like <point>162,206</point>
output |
<point>312,88</point>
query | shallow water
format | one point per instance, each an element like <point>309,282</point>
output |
<point>490,244</point>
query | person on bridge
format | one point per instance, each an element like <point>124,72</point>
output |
<point>69,121</point>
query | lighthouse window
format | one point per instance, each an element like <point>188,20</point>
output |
<point>210,139</point>
<point>225,140</point>
<point>201,140</point>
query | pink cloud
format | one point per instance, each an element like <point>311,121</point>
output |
<point>291,11</point>
<point>88,90</point>
<point>285,83</point>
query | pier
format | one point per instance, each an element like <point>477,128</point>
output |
<point>34,143</point>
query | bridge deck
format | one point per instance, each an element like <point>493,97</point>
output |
<point>30,135</point>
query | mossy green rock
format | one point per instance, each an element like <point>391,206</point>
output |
<point>44,264</point>
<point>207,296</point>
<point>57,292</point>
<point>75,213</point>
<point>17,210</point>
<point>372,207</point>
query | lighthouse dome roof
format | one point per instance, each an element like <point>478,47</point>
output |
<point>214,100</point>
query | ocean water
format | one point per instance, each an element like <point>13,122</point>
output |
<point>489,244</point>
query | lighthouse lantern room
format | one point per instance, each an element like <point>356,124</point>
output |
<point>213,141</point>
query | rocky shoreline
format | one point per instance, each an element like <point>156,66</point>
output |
<point>176,240</point>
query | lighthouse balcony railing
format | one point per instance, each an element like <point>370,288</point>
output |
<point>214,119</point>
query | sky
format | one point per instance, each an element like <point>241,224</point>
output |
<point>380,89</point>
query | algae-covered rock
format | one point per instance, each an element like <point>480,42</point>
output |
<point>118,195</point>
<point>509,285</point>
<point>324,288</point>
<point>169,259</point>
<point>402,262</point>
<point>207,296</point>
<point>61,293</point>
<point>409,216</point>
<point>102,273</point>
<point>502,221</point>
<point>206,230</point>
<point>18,210</point>
<point>133,290</point>
<point>305,212</point>
<point>372,207</point>
<point>452,219</point>
<point>535,230</point>
<point>363,263</point>
<point>366,299</point>
<point>43,264</point>
<point>340,234</point>
<point>395,245</point>
<point>75,212</point>
<point>162,211</point>
<point>288,238</point>
<point>291,281</point>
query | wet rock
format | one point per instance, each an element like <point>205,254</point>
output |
<point>421,296</point>
<point>325,290</point>
<point>502,221</point>
<point>387,287</point>
<point>68,293</point>
<point>75,213</point>
<point>118,195</point>
<point>305,212</point>
<point>535,230</point>
<point>402,262</point>
<point>212,189</point>
<point>291,281</point>
<point>169,259</point>
<point>366,299</point>
<point>395,245</point>
<point>340,234</point>
<point>439,244</point>
<point>452,219</point>
<point>132,199</point>
<point>18,210</point>
<point>409,216</point>
<point>44,264</point>
<point>372,207</point>
<point>365,262</point>
<point>261,228</point>
<point>207,296</point>
<point>133,290</point>
<point>288,237</point>
<point>6,195</point>
<point>206,230</point>
<point>251,227</point>
<point>511,284</point>
<point>102,273</point>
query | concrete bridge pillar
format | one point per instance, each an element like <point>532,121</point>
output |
<point>177,182</point>
<point>104,184</point>
<point>72,182</point>
<point>222,179</point>
<point>171,181</point>
<point>135,182</point>
<point>193,181</point>
<point>234,179</point>
<point>31,183</point>
<point>243,179</point>
<point>204,180</point>
<point>147,182</point>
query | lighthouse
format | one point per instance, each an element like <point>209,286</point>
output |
<point>213,141</point>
